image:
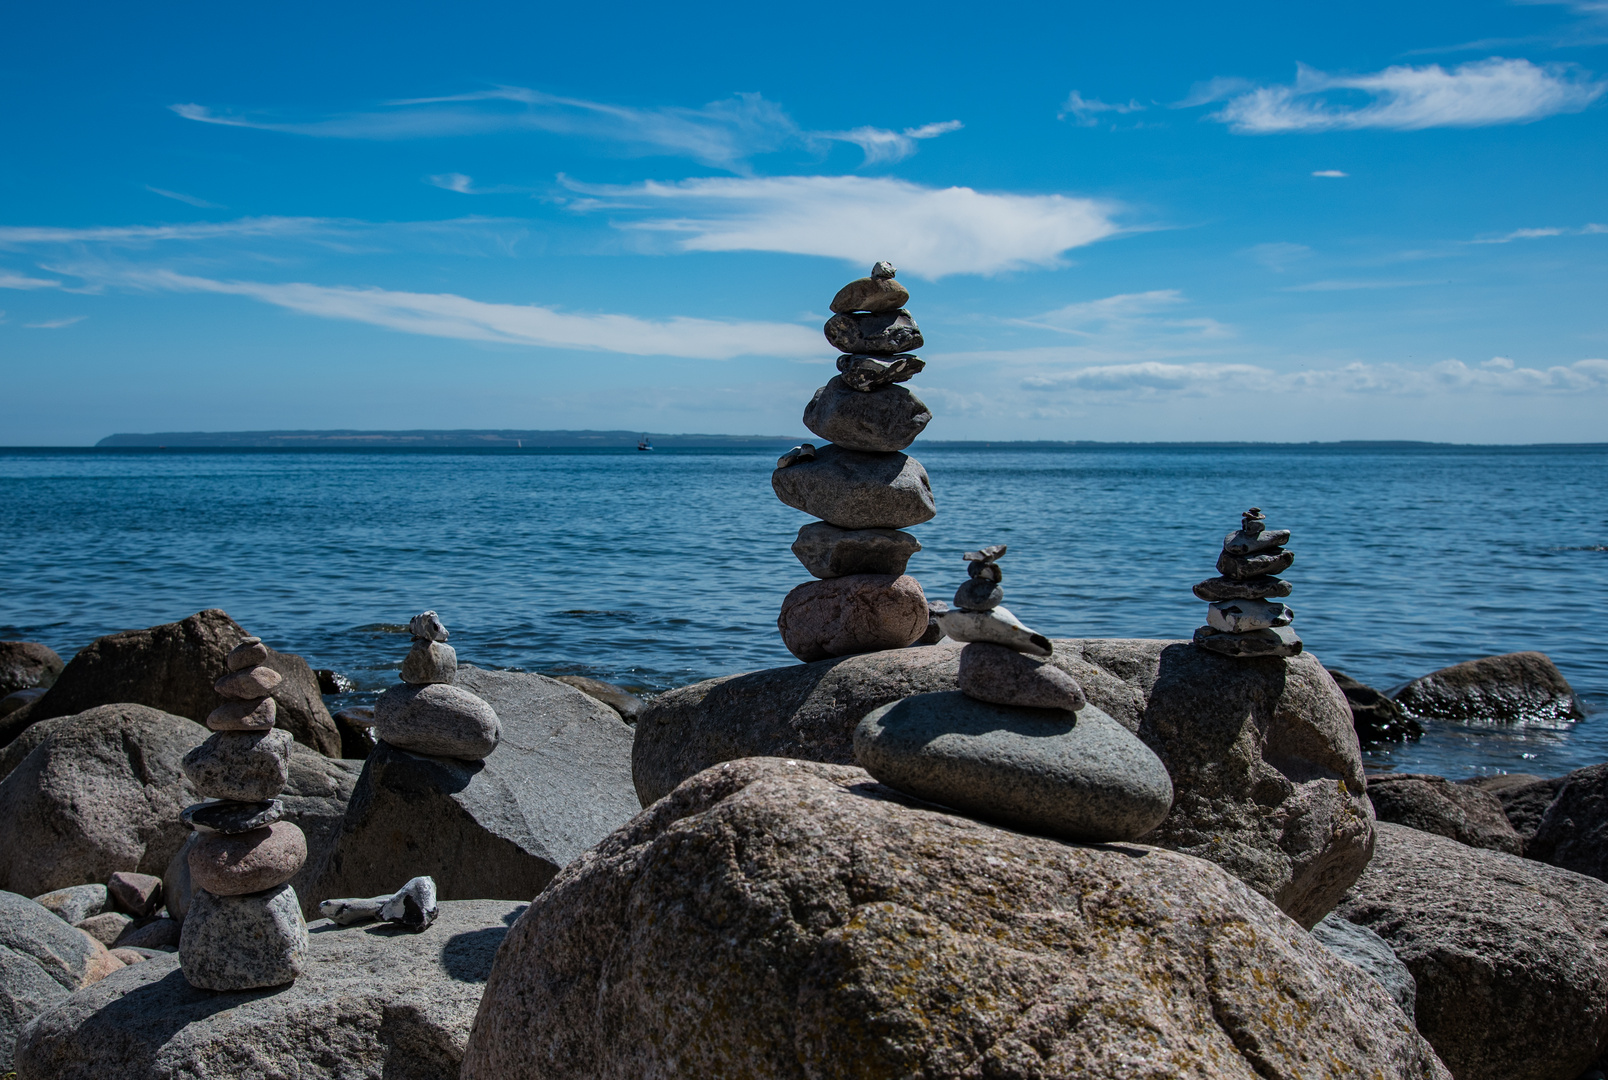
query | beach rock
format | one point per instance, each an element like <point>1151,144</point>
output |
<point>979,594</point>
<point>1508,954</point>
<point>868,373</point>
<point>131,956</point>
<point>1376,718</point>
<point>618,698</point>
<point>1275,642</point>
<point>1256,588</point>
<point>232,817</point>
<point>414,905</point>
<point>935,629</point>
<point>250,653</point>
<point>801,452</point>
<point>875,421</point>
<point>42,961</point>
<point>75,903</point>
<point>242,942</point>
<point>855,490</point>
<point>1523,688</point>
<point>853,614</point>
<point>25,665</point>
<point>14,702</point>
<point>1241,616</point>
<point>356,725</point>
<point>233,864</point>
<point>96,793</point>
<point>1524,798</point>
<point>996,626</point>
<point>251,684</point>
<point>172,668</point>
<point>874,294</point>
<point>243,766</point>
<point>138,894</point>
<point>352,910</point>
<point>427,626</point>
<point>886,333</point>
<point>1367,950</point>
<point>331,681</point>
<point>1006,677</point>
<point>429,662</point>
<point>1247,543</point>
<point>1266,771</point>
<point>176,887</point>
<point>829,552</point>
<point>437,719</point>
<point>1434,804</point>
<point>371,1002</point>
<point>252,715</point>
<point>1078,777</point>
<point>1573,829</point>
<point>790,919</point>
<point>558,782</point>
<point>151,935</point>
<point>106,927</point>
<point>1242,567</point>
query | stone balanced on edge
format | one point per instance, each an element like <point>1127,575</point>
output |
<point>1019,743</point>
<point>425,713</point>
<point>860,484</point>
<point>1241,618</point>
<point>244,926</point>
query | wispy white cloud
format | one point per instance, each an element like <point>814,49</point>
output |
<point>19,281</point>
<point>449,316</point>
<point>1086,112</point>
<point>929,232</point>
<point>26,235</point>
<point>1538,234</point>
<point>723,134</point>
<point>1353,284</point>
<point>1278,257</point>
<point>1333,174</point>
<point>1129,316</point>
<point>183,198</point>
<point>1405,98</point>
<point>56,324</point>
<point>1147,379</point>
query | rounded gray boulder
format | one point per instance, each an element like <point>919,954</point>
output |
<point>856,490</point>
<point>437,719</point>
<point>878,420</point>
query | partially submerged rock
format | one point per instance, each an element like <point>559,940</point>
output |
<point>1376,718</point>
<point>1435,804</point>
<point>1524,688</point>
<point>618,698</point>
<point>27,664</point>
<point>791,919</point>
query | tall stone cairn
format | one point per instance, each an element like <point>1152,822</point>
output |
<point>244,926</point>
<point>860,484</point>
<point>1242,618</point>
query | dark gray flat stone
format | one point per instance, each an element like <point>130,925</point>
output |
<point>1240,567</point>
<point>868,373</point>
<point>856,490</point>
<point>1277,641</point>
<point>886,333</point>
<point>1257,588</point>
<point>232,817</point>
<point>876,420</point>
<point>828,551</point>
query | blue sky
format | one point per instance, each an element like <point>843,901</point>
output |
<point>1116,222</point>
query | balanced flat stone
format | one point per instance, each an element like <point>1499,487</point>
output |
<point>886,333</point>
<point>1079,776</point>
<point>828,551</point>
<point>852,614</point>
<point>429,662</point>
<point>1277,641</point>
<point>855,490</point>
<point>996,625</point>
<point>1244,543</point>
<point>872,293</point>
<point>243,942</point>
<point>867,373</point>
<point>1227,588</point>
<point>258,715</point>
<point>1004,676</point>
<point>1240,567</point>
<point>979,594</point>
<point>875,420</point>
<point>249,684</point>
<point>241,766</point>
<point>428,625</point>
<point>437,719</point>
<point>248,654</point>
<point>1240,616</point>
<point>801,452</point>
<point>233,864</point>
<point>232,817</point>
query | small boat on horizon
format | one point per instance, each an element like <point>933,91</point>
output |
<point>644,443</point>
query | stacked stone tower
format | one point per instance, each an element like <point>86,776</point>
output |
<point>1242,619</point>
<point>860,484</point>
<point>244,926</point>
<point>425,713</point>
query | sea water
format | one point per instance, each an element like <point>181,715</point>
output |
<point>658,569</point>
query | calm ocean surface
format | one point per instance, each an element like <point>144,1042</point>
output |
<point>657,570</point>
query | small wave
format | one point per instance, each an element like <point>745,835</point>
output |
<point>381,628</point>
<point>1586,547</point>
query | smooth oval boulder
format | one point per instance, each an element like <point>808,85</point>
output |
<point>241,766</point>
<point>1523,688</point>
<point>1076,776</point>
<point>853,614</point>
<point>878,420</point>
<point>27,664</point>
<point>874,294</point>
<point>780,918</point>
<point>233,864</point>
<point>77,902</point>
<point>855,490</point>
<point>1266,770</point>
<point>1508,954</point>
<point>371,1001</point>
<point>437,719</point>
<point>827,551</point>
<point>1435,804</point>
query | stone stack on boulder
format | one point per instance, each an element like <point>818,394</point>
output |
<point>244,927</point>
<point>425,713</point>
<point>861,485</point>
<point>1242,619</point>
<point>1018,744</point>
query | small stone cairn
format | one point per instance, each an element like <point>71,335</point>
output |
<point>244,926</point>
<point>1018,743</point>
<point>860,484</point>
<point>425,713</point>
<point>1241,619</point>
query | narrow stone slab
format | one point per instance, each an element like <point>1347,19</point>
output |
<point>886,333</point>
<point>1240,567</point>
<point>877,420</point>
<point>1076,776</point>
<point>828,551</point>
<point>1256,588</point>
<point>1240,542</point>
<point>997,625</point>
<point>1278,641</point>
<point>1241,616</point>
<point>225,816</point>
<point>856,490</point>
<point>868,373</point>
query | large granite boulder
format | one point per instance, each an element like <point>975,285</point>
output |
<point>789,919</point>
<point>1524,797</point>
<point>172,668</point>
<point>373,1001</point>
<point>42,960</point>
<point>1434,804</point>
<point>1524,688</point>
<point>27,664</point>
<point>1266,770</point>
<point>1573,830</point>
<point>557,783</point>
<point>1510,956</point>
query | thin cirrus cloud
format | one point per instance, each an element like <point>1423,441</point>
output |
<point>179,196</point>
<point>1130,316</point>
<point>450,316</point>
<point>722,134</point>
<point>1332,174</point>
<point>1159,378</point>
<point>22,281</point>
<point>931,232</point>
<point>1542,233</point>
<point>1086,112</point>
<point>56,324</point>
<point>1405,98</point>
